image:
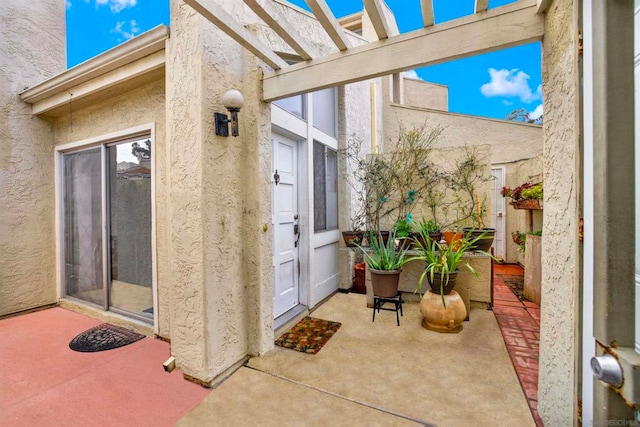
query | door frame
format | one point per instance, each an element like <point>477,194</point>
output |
<point>102,141</point>
<point>502,200</point>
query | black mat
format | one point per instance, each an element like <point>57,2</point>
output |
<point>515,283</point>
<point>103,337</point>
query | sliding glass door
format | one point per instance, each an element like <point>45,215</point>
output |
<point>83,226</point>
<point>107,227</point>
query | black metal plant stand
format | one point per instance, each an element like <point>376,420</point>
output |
<point>379,302</point>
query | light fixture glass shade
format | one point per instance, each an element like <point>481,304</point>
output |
<point>232,100</point>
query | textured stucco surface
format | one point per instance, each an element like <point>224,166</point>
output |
<point>32,49</point>
<point>559,332</point>
<point>141,106</point>
<point>219,191</point>
<point>509,141</point>
<point>421,94</point>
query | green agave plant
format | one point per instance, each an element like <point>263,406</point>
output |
<point>384,256</point>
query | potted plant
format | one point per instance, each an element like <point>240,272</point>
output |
<point>385,263</point>
<point>355,235</point>
<point>525,196</point>
<point>402,229</point>
<point>429,228</point>
<point>442,308</point>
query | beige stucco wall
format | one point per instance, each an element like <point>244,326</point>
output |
<point>421,94</point>
<point>220,256</point>
<point>144,105</point>
<point>509,141</point>
<point>32,49</point>
<point>559,331</point>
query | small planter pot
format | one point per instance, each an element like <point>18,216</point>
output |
<point>385,283</point>
<point>451,238</point>
<point>352,238</point>
<point>437,236</point>
<point>535,204</point>
<point>483,244</point>
<point>439,281</point>
<point>376,236</point>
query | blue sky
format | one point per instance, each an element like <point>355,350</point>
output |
<point>490,85</point>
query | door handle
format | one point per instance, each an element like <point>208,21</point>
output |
<point>607,369</point>
<point>296,231</point>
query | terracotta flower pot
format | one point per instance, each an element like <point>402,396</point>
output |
<point>451,237</point>
<point>440,318</point>
<point>385,283</point>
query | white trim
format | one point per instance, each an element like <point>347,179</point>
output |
<point>143,45</point>
<point>588,341</point>
<point>123,74</point>
<point>148,129</point>
<point>288,124</point>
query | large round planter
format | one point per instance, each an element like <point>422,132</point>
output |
<point>352,238</point>
<point>440,282</point>
<point>385,283</point>
<point>483,244</point>
<point>440,318</point>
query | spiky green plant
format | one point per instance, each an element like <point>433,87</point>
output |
<point>384,256</point>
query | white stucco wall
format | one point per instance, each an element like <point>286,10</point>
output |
<point>32,49</point>
<point>421,94</point>
<point>559,331</point>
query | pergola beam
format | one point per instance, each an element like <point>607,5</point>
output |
<point>428,18</point>
<point>221,19</point>
<point>498,28</point>
<point>376,13</point>
<point>482,5</point>
<point>329,22</point>
<point>278,23</point>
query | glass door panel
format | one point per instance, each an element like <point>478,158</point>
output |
<point>82,200</point>
<point>129,201</point>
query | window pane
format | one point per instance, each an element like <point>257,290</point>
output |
<point>294,105</point>
<point>324,111</point>
<point>83,225</point>
<point>332,189</point>
<point>319,188</point>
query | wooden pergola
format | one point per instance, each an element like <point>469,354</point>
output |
<point>484,31</point>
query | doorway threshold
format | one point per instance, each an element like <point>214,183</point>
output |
<point>286,320</point>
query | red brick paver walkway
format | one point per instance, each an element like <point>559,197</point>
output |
<point>520,326</point>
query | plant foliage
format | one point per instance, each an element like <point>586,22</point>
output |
<point>384,256</point>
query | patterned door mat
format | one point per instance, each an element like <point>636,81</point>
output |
<point>515,283</point>
<point>309,335</point>
<point>103,337</point>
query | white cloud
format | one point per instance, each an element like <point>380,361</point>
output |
<point>510,83</point>
<point>126,29</point>
<point>536,113</point>
<point>116,6</point>
<point>507,103</point>
<point>412,74</point>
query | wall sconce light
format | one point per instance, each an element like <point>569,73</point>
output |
<point>233,101</point>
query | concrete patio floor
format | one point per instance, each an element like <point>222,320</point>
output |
<point>44,383</point>
<point>368,374</point>
<point>377,374</point>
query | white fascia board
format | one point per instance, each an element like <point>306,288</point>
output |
<point>139,47</point>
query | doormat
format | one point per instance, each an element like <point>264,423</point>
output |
<point>309,335</point>
<point>103,337</point>
<point>515,283</point>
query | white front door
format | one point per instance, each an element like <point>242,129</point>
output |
<point>498,211</point>
<point>286,229</point>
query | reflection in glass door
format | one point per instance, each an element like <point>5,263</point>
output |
<point>107,201</point>
<point>130,227</point>
<point>83,226</point>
